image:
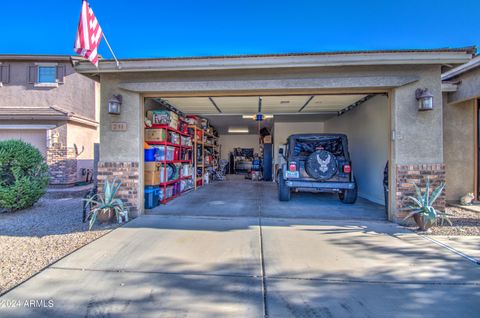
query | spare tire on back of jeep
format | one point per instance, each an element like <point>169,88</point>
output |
<point>321,165</point>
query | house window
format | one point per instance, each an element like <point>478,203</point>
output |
<point>47,74</point>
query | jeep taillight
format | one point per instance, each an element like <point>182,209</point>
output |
<point>292,167</point>
<point>347,169</point>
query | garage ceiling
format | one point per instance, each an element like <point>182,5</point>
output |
<point>226,112</point>
<point>248,105</point>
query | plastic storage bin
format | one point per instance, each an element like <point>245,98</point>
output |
<point>186,141</point>
<point>160,156</point>
<point>149,154</point>
<point>169,192</point>
<point>174,138</point>
<point>186,170</point>
<point>152,197</point>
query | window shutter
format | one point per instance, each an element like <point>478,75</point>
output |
<point>61,73</point>
<point>32,74</point>
<point>5,73</point>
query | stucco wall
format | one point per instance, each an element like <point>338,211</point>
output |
<point>231,141</point>
<point>120,145</point>
<point>281,131</point>
<point>418,135</point>
<point>469,87</point>
<point>84,138</point>
<point>367,130</point>
<point>76,94</point>
<point>459,148</point>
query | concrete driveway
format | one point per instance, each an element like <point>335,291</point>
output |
<point>190,266</point>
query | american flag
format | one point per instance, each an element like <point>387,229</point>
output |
<point>89,34</point>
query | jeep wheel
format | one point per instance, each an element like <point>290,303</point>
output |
<point>349,196</point>
<point>283,189</point>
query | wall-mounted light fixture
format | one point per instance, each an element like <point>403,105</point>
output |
<point>425,99</point>
<point>114,104</point>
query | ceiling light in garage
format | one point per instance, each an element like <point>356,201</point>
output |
<point>257,117</point>
<point>233,130</point>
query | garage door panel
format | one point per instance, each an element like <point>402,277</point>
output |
<point>331,102</point>
<point>37,138</point>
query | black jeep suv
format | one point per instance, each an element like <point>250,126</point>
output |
<point>317,161</point>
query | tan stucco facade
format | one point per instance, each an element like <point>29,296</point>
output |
<point>415,138</point>
<point>460,148</point>
<point>55,118</point>
<point>460,134</point>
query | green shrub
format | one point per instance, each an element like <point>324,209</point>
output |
<point>23,175</point>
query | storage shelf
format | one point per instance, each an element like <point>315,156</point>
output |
<point>157,126</point>
<point>166,143</point>
<point>174,181</point>
<point>210,135</point>
<point>171,161</point>
<point>169,182</point>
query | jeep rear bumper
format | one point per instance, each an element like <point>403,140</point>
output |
<point>320,185</point>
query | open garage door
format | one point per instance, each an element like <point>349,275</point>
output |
<point>259,126</point>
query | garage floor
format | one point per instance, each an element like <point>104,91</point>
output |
<point>239,197</point>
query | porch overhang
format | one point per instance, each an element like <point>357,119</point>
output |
<point>299,60</point>
<point>373,83</point>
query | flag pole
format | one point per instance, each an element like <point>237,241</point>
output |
<point>110,48</point>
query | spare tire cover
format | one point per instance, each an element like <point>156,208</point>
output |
<point>321,165</point>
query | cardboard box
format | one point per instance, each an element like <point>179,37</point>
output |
<point>152,166</point>
<point>155,135</point>
<point>173,124</point>
<point>267,139</point>
<point>151,178</point>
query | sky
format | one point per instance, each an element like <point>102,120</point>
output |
<point>142,28</point>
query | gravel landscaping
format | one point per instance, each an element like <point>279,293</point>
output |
<point>465,223</point>
<point>34,238</point>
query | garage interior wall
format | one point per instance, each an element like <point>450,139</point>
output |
<point>281,131</point>
<point>366,127</point>
<point>459,148</point>
<point>230,141</point>
<point>35,137</point>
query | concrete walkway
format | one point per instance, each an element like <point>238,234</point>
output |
<point>190,266</point>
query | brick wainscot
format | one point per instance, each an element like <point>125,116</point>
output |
<point>128,173</point>
<point>62,165</point>
<point>407,175</point>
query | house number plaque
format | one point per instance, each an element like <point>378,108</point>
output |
<point>119,126</point>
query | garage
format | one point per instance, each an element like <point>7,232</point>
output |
<point>251,104</point>
<point>35,137</point>
<point>239,144</point>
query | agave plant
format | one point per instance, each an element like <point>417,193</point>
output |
<point>107,203</point>
<point>423,206</point>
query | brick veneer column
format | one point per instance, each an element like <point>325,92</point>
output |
<point>128,173</point>
<point>62,165</point>
<point>407,175</point>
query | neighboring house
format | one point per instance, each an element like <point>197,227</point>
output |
<point>461,87</point>
<point>370,96</point>
<point>43,101</point>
